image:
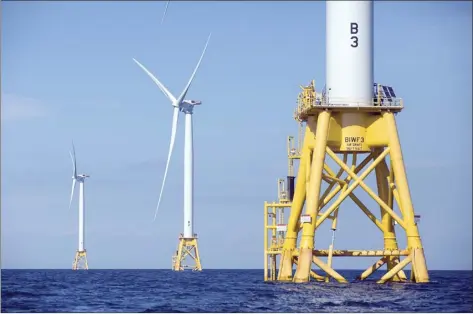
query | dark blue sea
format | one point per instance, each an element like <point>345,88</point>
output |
<point>224,291</point>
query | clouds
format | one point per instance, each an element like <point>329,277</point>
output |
<point>16,107</point>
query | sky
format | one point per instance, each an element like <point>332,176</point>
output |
<point>67,74</point>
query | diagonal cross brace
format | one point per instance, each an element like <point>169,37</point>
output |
<point>360,182</point>
<point>327,196</point>
<point>360,203</point>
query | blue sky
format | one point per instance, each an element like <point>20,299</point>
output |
<point>67,73</point>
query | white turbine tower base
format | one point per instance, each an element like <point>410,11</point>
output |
<point>80,259</point>
<point>349,53</point>
<point>187,240</point>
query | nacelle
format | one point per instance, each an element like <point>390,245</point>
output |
<point>192,102</point>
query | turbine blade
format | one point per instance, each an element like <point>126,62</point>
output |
<point>165,91</point>
<point>74,164</point>
<point>184,92</point>
<point>171,146</point>
<point>72,192</point>
<point>165,9</point>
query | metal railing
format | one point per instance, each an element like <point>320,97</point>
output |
<point>305,103</point>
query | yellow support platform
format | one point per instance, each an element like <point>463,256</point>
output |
<point>80,261</point>
<point>338,133</point>
<point>187,247</point>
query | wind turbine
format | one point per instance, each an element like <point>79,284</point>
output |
<point>188,240</point>
<point>80,260</point>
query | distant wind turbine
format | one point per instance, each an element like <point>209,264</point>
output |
<point>186,106</point>
<point>80,260</point>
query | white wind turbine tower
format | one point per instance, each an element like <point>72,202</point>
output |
<point>187,240</point>
<point>80,260</point>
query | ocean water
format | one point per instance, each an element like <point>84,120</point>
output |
<point>224,291</point>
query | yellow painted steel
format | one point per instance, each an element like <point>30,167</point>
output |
<point>286,262</point>
<point>390,242</point>
<point>265,241</point>
<point>372,269</point>
<point>274,218</point>
<point>80,261</point>
<point>356,253</point>
<point>187,247</point>
<point>396,269</point>
<point>308,229</point>
<point>332,273</point>
<point>313,274</point>
<point>329,257</point>
<point>330,130</point>
<point>348,253</point>
<point>335,214</point>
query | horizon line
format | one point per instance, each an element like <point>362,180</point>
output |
<point>259,269</point>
